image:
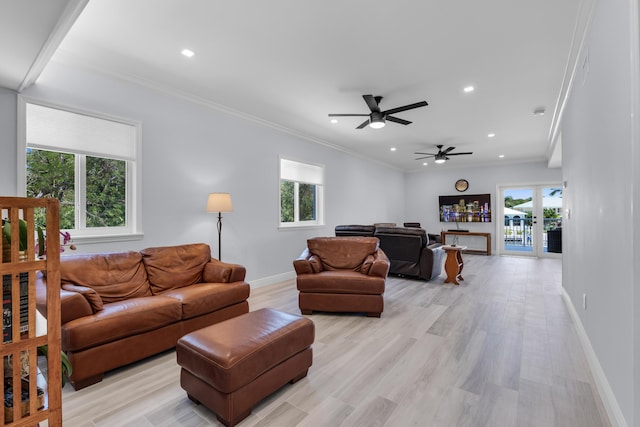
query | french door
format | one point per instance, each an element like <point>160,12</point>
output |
<point>530,216</point>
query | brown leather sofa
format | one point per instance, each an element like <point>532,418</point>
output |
<point>342,274</point>
<point>118,308</point>
<point>410,252</point>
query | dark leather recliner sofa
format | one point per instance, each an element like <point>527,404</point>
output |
<point>411,251</point>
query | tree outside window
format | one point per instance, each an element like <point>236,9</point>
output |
<point>300,193</point>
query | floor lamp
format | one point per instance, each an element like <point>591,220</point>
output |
<point>219,202</point>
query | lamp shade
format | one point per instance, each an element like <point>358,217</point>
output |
<point>219,202</point>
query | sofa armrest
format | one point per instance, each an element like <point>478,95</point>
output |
<point>90,295</point>
<point>378,264</point>
<point>73,305</point>
<point>216,271</point>
<point>431,260</point>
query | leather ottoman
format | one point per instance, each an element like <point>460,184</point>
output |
<point>232,365</point>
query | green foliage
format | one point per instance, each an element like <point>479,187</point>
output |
<point>67,369</point>
<point>306,201</point>
<point>510,202</point>
<point>550,213</point>
<point>53,174</point>
<point>307,194</point>
<point>106,191</point>
<point>22,225</point>
<point>556,192</point>
<point>286,201</point>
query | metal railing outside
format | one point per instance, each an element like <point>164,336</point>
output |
<point>517,232</point>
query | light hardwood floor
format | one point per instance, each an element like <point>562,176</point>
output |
<point>498,350</point>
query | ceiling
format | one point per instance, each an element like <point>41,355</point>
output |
<point>290,63</point>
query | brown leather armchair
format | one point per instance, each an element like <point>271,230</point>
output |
<point>342,274</point>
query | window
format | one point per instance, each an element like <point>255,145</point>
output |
<point>89,164</point>
<point>301,194</point>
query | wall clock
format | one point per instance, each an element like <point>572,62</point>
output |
<point>462,185</point>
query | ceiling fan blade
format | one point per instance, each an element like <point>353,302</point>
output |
<point>372,102</point>
<point>448,149</point>
<point>426,157</point>
<point>430,154</point>
<point>406,107</point>
<point>347,115</point>
<point>457,154</point>
<point>364,124</point>
<point>397,120</point>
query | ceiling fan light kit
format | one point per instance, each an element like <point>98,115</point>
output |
<point>377,121</point>
<point>377,118</point>
<point>442,155</point>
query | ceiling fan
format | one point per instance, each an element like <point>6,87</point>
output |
<point>442,155</point>
<point>377,118</point>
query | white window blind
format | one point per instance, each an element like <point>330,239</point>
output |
<point>77,133</point>
<point>301,172</point>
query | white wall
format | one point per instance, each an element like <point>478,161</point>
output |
<point>7,142</point>
<point>422,190</point>
<point>190,150</point>
<point>600,165</point>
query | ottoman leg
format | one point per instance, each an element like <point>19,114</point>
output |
<point>236,420</point>
<point>193,399</point>
<point>299,377</point>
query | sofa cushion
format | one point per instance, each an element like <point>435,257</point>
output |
<point>205,298</point>
<point>172,267</point>
<point>120,320</point>
<point>342,253</point>
<point>115,276</point>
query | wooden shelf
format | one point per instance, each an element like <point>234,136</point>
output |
<point>21,337</point>
<point>487,236</point>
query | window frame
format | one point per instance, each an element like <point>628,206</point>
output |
<point>319,197</point>
<point>133,229</point>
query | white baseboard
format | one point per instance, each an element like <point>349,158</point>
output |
<point>602,384</point>
<point>266,281</point>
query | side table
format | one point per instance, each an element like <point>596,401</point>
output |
<point>454,263</point>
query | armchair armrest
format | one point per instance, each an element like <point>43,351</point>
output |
<point>302,265</point>
<point>216,271</point>
<point>307,263</point>
<point>376,264</point>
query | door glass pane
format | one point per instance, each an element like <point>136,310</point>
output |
<point>518,213</point>
<point>552,213</point>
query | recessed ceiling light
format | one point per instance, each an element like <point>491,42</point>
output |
<point>425,164</point>
<point>501,156</point>
<point>392,148</point>
<point>188,53</point>
<point>334,120</point>
<point>491,135</point>
<point>468,89</point>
